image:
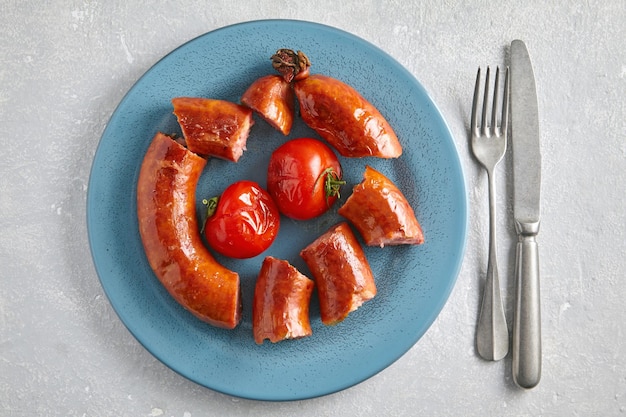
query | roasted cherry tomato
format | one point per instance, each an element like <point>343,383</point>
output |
<point>243,222</point>
<point>304,178</point>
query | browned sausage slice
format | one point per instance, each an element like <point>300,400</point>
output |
<point>280,309</point>
<point>381,212</point>
<point>169,232</point>
<point>342,274</point>
<point>273,99</point>
<point>346,120</point>
<point>213,127</point>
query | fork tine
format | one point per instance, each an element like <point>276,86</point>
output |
<point>505,105</point>
<point>474,121</point>
<point>484,129</point>
<point>494,108</point>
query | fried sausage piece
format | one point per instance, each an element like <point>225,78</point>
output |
<point>381,213</point>
<point>213,127</point>
<point>346,120</point>
<point>280,309</point>
<point>170,235</point>
<point>273,99</point>
<point>342,274</point>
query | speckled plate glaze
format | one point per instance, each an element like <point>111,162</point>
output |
<point>413,282</point>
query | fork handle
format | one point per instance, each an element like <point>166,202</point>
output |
<point>527,314</point>
<point>492,334</point>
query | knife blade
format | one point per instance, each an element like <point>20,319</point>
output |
<point>525,139</point>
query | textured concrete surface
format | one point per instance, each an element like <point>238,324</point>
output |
<point>65,65</point>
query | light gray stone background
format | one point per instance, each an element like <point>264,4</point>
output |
<point>65,65</point>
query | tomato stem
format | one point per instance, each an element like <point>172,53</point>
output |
<point>211,206</point>
<point>332,183</point>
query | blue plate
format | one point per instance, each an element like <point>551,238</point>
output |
<point>413,282</point>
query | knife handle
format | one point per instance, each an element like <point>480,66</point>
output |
<point>527,315</point>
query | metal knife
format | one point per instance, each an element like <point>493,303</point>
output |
<point>526,210</point>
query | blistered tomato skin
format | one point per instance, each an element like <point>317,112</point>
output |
<point>299,176</point>
<point>346,120</point>
<point>245,223</point>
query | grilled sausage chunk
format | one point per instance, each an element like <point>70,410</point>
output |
<point>346,120</point>
<point>342,274</point>
<point>280,309</point>
<point>214,127</point>
<point>273,99</point>
<point>171,238</point>
<point>381,213</point>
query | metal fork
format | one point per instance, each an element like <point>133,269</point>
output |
<point>489,146</point>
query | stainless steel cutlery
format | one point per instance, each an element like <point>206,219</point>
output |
<point>489,142</point>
